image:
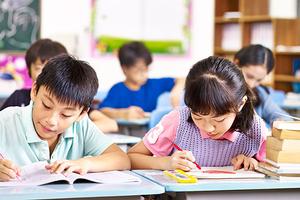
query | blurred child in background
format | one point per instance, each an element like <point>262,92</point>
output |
<point>256,62</point>
<point>138,94</point>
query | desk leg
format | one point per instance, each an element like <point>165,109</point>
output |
<point>278,194</point>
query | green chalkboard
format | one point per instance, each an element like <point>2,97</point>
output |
<point>19,24</point>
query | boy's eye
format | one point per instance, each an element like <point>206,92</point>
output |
<point>66,116</point>
<point>46,106</point>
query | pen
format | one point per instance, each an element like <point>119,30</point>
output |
<point>18,175</point>
<point>179,149</point>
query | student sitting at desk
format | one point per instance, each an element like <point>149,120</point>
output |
<point>36,57</point>
<point>256,62</point>
<point>138,94</point>
<point>55,126</point>
<point>218,127</point>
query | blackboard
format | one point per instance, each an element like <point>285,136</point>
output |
<point>19,24</point>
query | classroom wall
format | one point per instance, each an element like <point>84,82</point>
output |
<point>71,26</point>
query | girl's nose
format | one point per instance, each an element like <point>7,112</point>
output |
<point>208,127</point>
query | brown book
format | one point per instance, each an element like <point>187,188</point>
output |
<point>283,145</point>
<point>286,134</point>
<point>283,156</point>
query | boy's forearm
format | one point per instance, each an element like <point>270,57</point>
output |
<point>140,161</point>
<point>115,113</point>
<point>103,122</point>
<point>108,161</point>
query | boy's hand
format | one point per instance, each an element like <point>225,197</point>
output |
<point>68,166</point>
<point>241,161</point>
<point>182,160</point>
<point>134,112</point>
<point>8,170</point>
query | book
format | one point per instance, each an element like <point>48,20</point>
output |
<point>36,174</point>
<point>226,172</point>
<point>287,125</point>
<point>283,156</point>
<point>278,176</point>
<point>283,145</point>
<point>282,165</point>
<point>280,170</point>
<point>286,134</point>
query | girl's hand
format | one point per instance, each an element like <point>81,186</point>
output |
<point>182,160</point>
<point>243,161</point>
<point>68,166</point>
<point>8,170</point>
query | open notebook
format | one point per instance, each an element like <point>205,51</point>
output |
<point>36,174</point>
<point>224,173</point>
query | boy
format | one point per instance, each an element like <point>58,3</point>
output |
<point>138,94</point>
<point>54,126</point>
<point>36,57</point>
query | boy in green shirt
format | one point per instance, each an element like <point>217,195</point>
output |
<point>55,126</point>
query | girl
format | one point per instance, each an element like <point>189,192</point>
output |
<point>256,62</point>
<point>218,126</point>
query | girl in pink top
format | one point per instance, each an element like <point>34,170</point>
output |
<point>218,127</point>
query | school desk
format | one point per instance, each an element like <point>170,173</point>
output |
<point>265,189</point>
<point>136,127</point>
<point>125,191</point>
<point>123,141</point>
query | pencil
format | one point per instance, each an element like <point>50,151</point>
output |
<point>179,149</point>
<point>18,175</point>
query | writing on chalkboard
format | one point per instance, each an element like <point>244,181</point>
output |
<point>19,24</point>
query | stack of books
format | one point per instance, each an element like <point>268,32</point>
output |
<point>283,151</point>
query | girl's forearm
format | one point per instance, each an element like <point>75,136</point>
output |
<point>140,161</point>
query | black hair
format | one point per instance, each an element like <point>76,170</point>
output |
<point>255,54</point>
<point>129,53</point>
<point>43,49</point>
<point>71,81</point>
<point>216,86</point>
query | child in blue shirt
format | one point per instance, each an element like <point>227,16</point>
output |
<point>138,94</point>
<point>55,126</point>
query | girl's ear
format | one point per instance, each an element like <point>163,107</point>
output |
<point>33,92</point>
<point>244,100</point>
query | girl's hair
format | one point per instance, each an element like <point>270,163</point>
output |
<point>255,55</point>
<point>217,86</point>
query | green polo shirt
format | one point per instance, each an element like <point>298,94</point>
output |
<point>20,143</point>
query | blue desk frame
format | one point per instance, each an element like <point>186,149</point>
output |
<point>126,191</point>
<point>226,189</point>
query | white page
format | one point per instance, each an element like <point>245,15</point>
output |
<point>224,173</point>
<point>111,177</point>
<point>36,174</point>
